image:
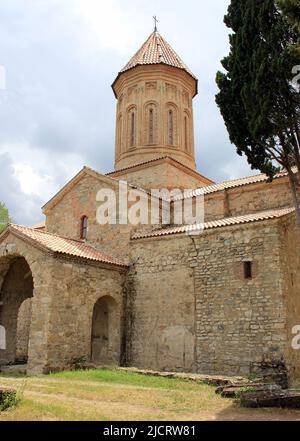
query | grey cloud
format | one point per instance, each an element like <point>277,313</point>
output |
<point>23,208</point>
<point>59,101</point>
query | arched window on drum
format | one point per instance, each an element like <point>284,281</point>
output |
<point>171,125</point>
<point>151,124</point>
<point>132,128</point>
<point>186,133</point>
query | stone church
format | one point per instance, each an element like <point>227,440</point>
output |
<point>225,301</point>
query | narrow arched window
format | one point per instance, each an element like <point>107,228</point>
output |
<point>151,126</point>
<point>132,129</point>
<point>120,128</point>
<point>171,127</point>
<point>83,227</point>
<point>186,135</point>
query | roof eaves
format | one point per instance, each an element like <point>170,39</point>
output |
<point>16,231</point>
<point>150,161</point>
<point>226,222</point>
<point>228,185</point>
<point>155,64</point>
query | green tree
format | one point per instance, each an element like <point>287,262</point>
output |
<point>291,9</point>
<point>4,217</point>
<point>257,97</point>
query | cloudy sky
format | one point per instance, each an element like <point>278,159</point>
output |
<point>57,112</point>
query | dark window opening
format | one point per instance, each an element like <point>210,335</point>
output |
<point>83,229</point>
<point>132,133</point>
<point>171,128</point>
<point>186,142</point>
<point>248,270</point>
<point>151,126</point>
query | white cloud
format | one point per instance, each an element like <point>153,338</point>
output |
<point>58,111</point>
<point>108,24</point>
<point>35,176</point>
<point>30,181</point>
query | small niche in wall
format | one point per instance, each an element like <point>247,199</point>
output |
<point>248,270</point>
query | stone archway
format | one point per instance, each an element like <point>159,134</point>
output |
<point>23,331</point>
<point>105,342</point>
<point>16,289</point>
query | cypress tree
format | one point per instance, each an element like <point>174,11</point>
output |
<point>257,98</point>
<point>291,9</point>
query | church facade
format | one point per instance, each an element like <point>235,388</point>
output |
<point>220,296</point>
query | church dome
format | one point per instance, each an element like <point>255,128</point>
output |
<point>154,117</point>
<point>156,50</point>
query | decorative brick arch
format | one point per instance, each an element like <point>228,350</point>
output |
<point>151,123</point>
<point>171,125</point>
<point>132,127</point>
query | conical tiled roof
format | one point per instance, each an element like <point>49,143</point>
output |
<point>156,51</point>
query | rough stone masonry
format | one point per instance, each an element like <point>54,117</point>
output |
<point>153,296</point>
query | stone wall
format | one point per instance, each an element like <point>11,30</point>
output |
<point>65,219</point>
<point>13,249</point>
<point>291,270</point>
<point>64,295</point>
<point>193,289</point>
<point>16,288</point>
<point>161,306</point>
<point>162,174</point>
<point>75,291</point>
<point>240,322</point>
<point>248,199</point>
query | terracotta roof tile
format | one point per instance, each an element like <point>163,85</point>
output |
<point>39,226</point>
<point>150,161</point>
<point>156,51</point>
<point>256,217</point>
<point>228,184</point>
<point>64,246</point>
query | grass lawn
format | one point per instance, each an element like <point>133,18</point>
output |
<point>114,395</point>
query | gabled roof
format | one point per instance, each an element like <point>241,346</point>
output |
<point>227,222</point>
<point>159,159</point>
<point>39,226</point>
<point>230,184</point>
<point>60,246</point>
<point>69,185</point>
<point>84,172</point>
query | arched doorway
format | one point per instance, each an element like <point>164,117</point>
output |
<point>15,310</point>
<point>105,345</point>
<point>23,331</point>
